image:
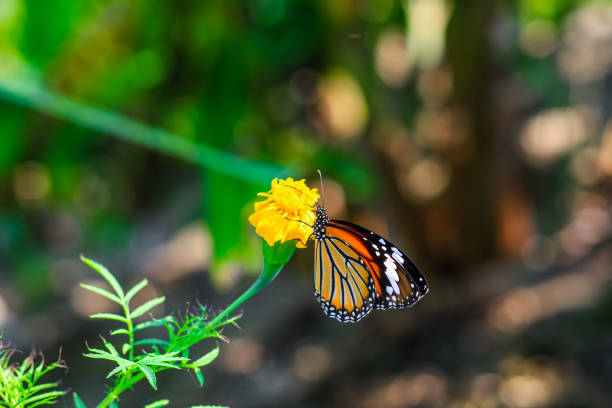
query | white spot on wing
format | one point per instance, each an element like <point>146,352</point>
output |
<point>391,272</point>
<point>398,257</point>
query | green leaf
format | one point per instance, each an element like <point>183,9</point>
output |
<point>231,244</point>
<point>157,404</point>
<point>135,289</point>
<point>109,316</point>
<point>42,399</point>
<point>13,121</point>
<point>120,331</point>
<point>209,406</point>
<point>207,358</point>
<point>125,364</point>
<point>97,353</point>
<point>199,376</point>
<point>279,253</point>
<point>162,359</point>
<point>144,308</point>
<point>155,323</point>
<point>113,405</point>
<point>149,374</point>
<point>101,269</point>
<point>41,387</point>
<point>151,341</point>
<point>39,50</point>
<point>125,348</point>
<point>78,402</point>
<point>109,346</point>
<point>102,292</point>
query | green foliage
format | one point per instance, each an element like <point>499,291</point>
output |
<point>157,404</point>
<point>140,357</point>
<point>78,402</point>
<point>21,385</point>
<point>208,406</point>
<point>250,171</point>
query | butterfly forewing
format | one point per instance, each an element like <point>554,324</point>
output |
<point>399,283</point>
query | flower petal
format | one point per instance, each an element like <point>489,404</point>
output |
<point>287,213</point>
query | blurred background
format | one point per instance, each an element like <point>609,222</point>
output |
<point>476,135</point>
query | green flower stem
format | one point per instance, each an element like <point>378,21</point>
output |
<point>111,396</point>
<point>33,96</point>
<point>275,258</point>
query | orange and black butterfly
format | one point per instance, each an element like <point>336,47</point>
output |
<point>357,271</point>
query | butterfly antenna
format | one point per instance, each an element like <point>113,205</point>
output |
<point>301,192</point>
<point>305,223</point>
<point>322,190</point>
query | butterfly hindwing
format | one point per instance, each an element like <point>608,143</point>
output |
<point>397,280</point>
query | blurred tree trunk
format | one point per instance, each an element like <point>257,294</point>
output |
<point>471,200</point>
<point>472,194</point>
<point>460,228</point>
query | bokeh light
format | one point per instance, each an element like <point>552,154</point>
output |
<point>425,180</point>
<point>427,25</point>
<point>552,133</point>
<point>530,383</point>
<point>538,38</point>
<point>242,356</point>
<point>311,362</point>
<point>586,53</point>
<point>392,60</point>
<point>409,391</point>
<point>84,304</point>
<point>4,312</point>
<point>188,251</point>
<point>342,105</point>
<point>31,182</point>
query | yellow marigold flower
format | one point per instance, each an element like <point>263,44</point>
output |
<point>278,217</point>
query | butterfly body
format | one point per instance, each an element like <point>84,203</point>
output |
<point>356,271</point>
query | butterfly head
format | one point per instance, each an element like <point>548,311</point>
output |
<point>320,223</point>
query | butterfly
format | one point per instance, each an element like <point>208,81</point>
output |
<point>356,271</point>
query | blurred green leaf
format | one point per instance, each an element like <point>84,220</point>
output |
<point>31,96</point>
<point>47,24</point>
<point>12,123</point>
<point>199,376</point>
<point>209,406</point>
<point>78,402</point>
<point>157,404</point>
<point>226,198</point>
